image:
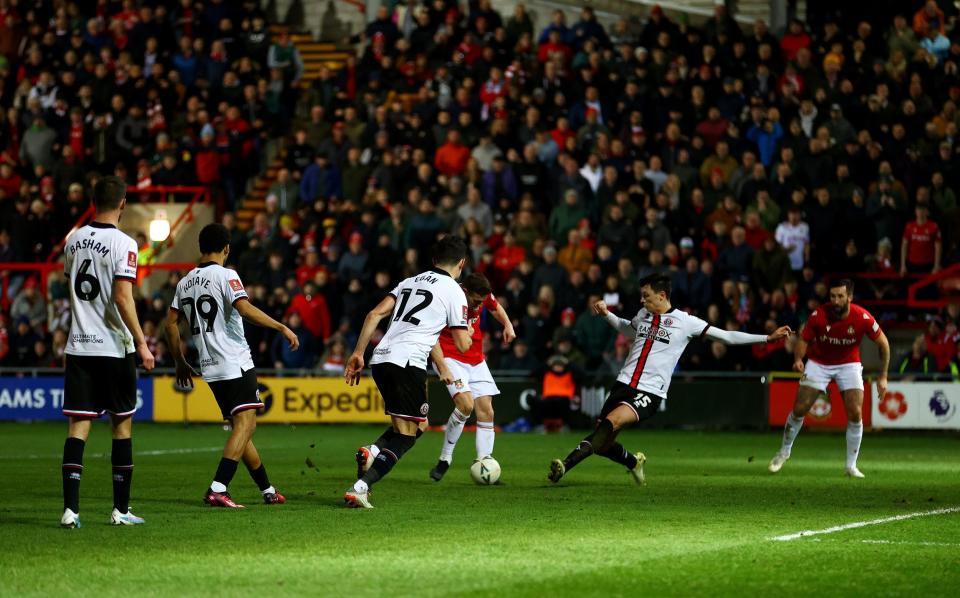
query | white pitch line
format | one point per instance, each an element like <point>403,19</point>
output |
<point>908,543</point>
<point>856,524</point>
<point>181,451</point>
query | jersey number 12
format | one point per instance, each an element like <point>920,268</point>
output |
<point>404,297</point>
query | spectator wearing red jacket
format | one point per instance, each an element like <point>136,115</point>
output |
<point>795,39</point>
<point>452,156</point>
<point>555,49</point>
<point>312,307</point>
<point>506,259</point>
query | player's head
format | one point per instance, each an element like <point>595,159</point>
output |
<point>109,194</point>
<point>450,254</point>
<point>841,294</point>
<point>655,292</point>
<point>214,239</point>
<point>477,288</point>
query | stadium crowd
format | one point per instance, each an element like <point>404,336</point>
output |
<point>574,160</point>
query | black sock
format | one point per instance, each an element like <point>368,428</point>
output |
<point>419,433</point>
<point>225,471</point>
<point>618,454</point>
<point>385,438</point>
<point>596,442</point>
<point>71,470</point>
<point>388,457</point>
<point>259,476</point>
<point>122,458</point>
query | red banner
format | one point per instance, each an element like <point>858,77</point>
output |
<point>827,412</point>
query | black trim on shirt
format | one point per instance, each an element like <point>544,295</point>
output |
<point>704,332</point>
<point>205,264</point>
<point>457,327</point>
<point>96,224</point>
<point>121,277</point>
<point>440,271</point>
<point>239,299</point>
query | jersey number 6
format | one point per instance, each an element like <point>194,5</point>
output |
<point>86,285</point>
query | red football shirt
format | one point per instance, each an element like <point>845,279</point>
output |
<point>836,341</point>
<point>921,240</point>
<point>474,354</point>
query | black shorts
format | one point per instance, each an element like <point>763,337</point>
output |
<point>94,385</point>
<point>237,394</point>
<point>644,404</point>
<point>404,390</point>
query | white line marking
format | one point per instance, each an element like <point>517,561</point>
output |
<point>856,524</point>
<point>181,451</point>
<point>908,543</point>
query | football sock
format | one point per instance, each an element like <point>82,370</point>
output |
<point>790,431</point>
<point>71,470</point>
<point>387,458</point>
<point>259,476</point>
<point>597,442</point>
<point>854,436</point>
<point>485,436</point>
<point>224,475</point>
<point>386,437</point>
<point>618,454</point>
<point>452,435</point>
<point>122,459</point>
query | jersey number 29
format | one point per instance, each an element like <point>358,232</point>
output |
<point>404,297</point>
<point>206,306</point>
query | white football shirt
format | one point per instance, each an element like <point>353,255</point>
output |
<point>206,297</point>
<point>793,239</point>
<point>658,344</point>
<point>94,256</point>
<point>426,303</point>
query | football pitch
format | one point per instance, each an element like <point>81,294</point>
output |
<point>704,524</point>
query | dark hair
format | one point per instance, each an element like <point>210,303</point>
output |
<point>477,284</point>
<point>108,193</point>
<point>659,283</point>
<point>213,238</point>
<point>845,283</point>
<point>449,250</point>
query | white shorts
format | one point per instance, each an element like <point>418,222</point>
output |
<point>848,376</point>
<point>475,379</point>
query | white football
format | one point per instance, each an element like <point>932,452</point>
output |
<point>485,471</point>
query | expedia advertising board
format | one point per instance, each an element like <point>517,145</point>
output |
<point>919,405</point>
<point>286,400</point>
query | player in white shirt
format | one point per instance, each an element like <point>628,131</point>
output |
<point>794,236</point>
<point>421,306</point>
<point>212,301</point>
<point>105,341</point>
<point>661,333</point>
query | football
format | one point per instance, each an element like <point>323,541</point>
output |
<point>485,471</point>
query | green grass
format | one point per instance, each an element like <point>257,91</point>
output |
<point>701,526</point>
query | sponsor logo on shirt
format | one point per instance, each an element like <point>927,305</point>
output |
<point>662,336</point>
<point>83,339</point>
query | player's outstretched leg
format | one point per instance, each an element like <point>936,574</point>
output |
<point>257,471</point>
<point>853,402</point>
<point>401,441</point>
<point>366,454</point>
<point>72,470</point>
<point>485,428</point>
<point>121,457</point>
<point>806,396</point>
<point>596,442</point>
<point>244,423</point>
<point>633,462</point>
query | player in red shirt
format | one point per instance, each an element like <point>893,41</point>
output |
<point>831,342</point>
<point>473,384</point>
<point>922,246</point>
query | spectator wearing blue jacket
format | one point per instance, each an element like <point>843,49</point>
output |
<point>557,23</point>
<point>499,184</point>
<point>766,135</point>
<point>284,357</point>
<point>320,179</point>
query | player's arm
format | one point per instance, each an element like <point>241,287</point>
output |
<point>462,338</point>
<point>618,323</point>
<point>501,316</point>
<point>253,314</point>
<point>184,373</point>
<point>799,353</point>
<point>734,337</point>
<point>883,347</point>
<point>123,298</point>
<point>351,372</point>
<point>436,354</point>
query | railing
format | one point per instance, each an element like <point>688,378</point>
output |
<point>951,272</point>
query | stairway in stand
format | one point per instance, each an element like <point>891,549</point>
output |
<point>315,55</point>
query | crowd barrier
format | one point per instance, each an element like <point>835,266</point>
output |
<point>710,401</point>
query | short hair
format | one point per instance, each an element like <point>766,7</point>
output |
<point>449,250</point>
<point>477,284</point>
<point>108,193</point>
<point>213,238</point>
<point>659,283</point>
<point>845,283</point>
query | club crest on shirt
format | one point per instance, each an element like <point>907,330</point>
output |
<point>236,285</point>
<point>850,330</point>
<point>466,313</point>
<point>131,259</point>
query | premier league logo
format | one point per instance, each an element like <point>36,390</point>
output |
<point>941,407</point>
